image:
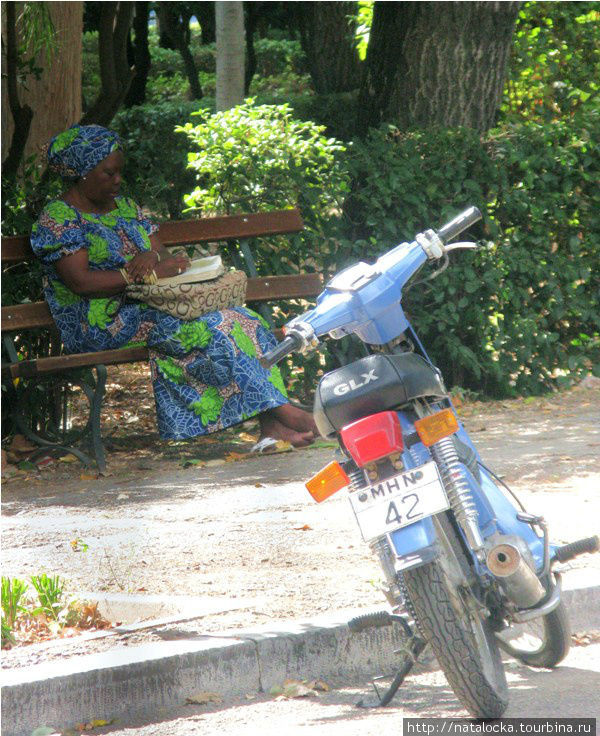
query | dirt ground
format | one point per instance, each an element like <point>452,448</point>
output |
<point>205,519</point>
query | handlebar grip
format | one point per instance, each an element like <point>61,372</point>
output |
<point>285,347</point>
<point>459,223</point>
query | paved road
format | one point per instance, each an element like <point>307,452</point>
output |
<point>572,690</point>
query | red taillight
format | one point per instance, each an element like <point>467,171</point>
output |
<point>374,437</point>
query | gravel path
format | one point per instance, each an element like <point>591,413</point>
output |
<point>246,534</point>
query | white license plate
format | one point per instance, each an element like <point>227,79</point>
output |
<point>399,501</point>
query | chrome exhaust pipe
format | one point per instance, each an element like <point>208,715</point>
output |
<point>515,576</point>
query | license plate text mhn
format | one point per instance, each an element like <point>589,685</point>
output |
<point>398,483</point>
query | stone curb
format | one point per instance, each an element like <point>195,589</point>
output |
<point>164,674</point>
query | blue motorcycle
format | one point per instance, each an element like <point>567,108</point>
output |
<point>468,570</point>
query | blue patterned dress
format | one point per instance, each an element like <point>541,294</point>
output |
<point>205,373</point>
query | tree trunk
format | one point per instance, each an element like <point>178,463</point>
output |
<point>230,53</point>
<point>327,34</point>
<point>252,14</point>
<point>391,21</point>
<point>21,114</point>
<point>141,56</point>
<point>59,80</point>
<point>115,72</point>
<point>437,63</point>
<point>175,21</point>
<point>205,13</point>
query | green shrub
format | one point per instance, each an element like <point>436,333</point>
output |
<point>253,158</point>
<point>90,77</point>
<point>275,56</point>
<point>164,61</point>
<point>205,57</point>
<point>13,592</point>
<point>166,87</point>
<point>156,157</point>
<point>256,158</point>
<point>281,87</point>
<point>520,315</point>
<point>555,61</point>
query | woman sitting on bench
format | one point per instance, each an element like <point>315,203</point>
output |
<point>92,242</point>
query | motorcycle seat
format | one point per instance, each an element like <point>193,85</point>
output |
<point>370,385</point>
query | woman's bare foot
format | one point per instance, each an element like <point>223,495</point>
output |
<point>296,419</point>
<point>271,426</point>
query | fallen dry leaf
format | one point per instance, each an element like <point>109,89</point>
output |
<point>88,476</point>
<point>204,699</point>
<point>259,485</point>
<point>94,723</point>
<point>68,459</point>
<point>232,457</point>
<point>21,445</point>
<point>305,528</point>
<point>293,689</point>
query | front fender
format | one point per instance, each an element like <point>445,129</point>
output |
<point>415,544</point>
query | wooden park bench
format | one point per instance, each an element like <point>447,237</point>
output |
<point>238,231</point>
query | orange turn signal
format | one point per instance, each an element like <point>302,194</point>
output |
<point>433,428</point>
<point>327,481</point>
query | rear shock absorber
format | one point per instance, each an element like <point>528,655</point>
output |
<point>459,493</point>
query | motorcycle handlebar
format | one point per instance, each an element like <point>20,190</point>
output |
<point>458,224</point>
<point>285,347</point>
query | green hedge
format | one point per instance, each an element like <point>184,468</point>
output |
<point>156,157</point>
<point>521,315</point>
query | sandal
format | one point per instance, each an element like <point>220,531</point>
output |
<point>267,444</point>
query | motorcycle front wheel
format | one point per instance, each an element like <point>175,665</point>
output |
<point>461,638</point>
<point>542,642</point>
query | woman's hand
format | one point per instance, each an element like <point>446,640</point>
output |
<point>142,265</point>
<point>173,265</point>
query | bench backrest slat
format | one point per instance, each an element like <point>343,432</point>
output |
<point>16,248</point>
<point>181,232</point>
<point>37,314</point>
<point>26,317</point>
<point>232,227</point>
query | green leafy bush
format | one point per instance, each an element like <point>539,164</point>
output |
<point>554,69</point>
<point>254,158</point>
<point>274,56</point>
<point>155,169</point>
<point>90,77</point>
<point>336,112</point>
<point>520,315</point>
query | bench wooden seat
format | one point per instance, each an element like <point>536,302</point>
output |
<point>238,230</point>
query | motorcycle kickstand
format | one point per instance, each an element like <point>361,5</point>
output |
<point>412,651</point>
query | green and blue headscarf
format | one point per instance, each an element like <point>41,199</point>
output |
<point>76,151</point>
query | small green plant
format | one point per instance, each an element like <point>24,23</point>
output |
<point>50,592</point>
<point>13,592</point>
<point>8,639</point>
<point>25,622</point>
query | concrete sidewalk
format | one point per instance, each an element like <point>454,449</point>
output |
<point>164,674</point>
